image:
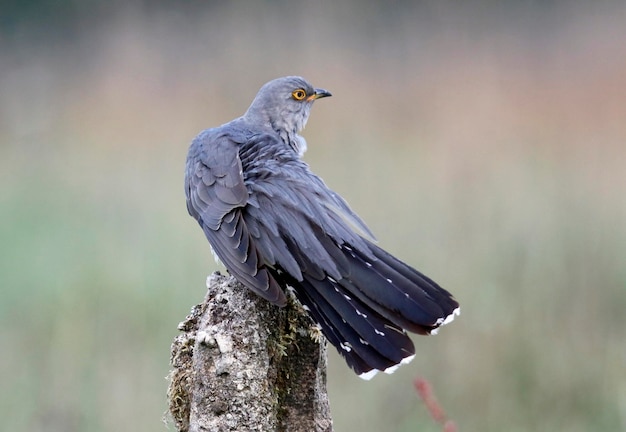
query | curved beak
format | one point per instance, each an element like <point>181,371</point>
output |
<point>319,93</point>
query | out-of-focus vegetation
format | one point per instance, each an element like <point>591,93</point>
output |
<point>485,145</point>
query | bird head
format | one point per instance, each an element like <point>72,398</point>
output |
<point>284,104</point>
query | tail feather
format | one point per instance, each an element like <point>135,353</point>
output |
<point>403,295</point>
<point>371,329</point>
<point>365,340</point>
<point>363,313</point>
<point>315,309</point>
<point>446,304</point>
<point>373,305</point>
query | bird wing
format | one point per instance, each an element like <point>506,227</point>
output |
<point>295,220</point>
<point>216,198</point>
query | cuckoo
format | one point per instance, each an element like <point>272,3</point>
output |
<point>279,229</point>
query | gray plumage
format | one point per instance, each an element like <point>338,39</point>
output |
<point>274,224</point>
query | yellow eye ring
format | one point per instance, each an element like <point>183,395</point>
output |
<point>298,94</point>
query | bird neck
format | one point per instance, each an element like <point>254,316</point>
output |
<point>294,140</point>
<point>288,133</point>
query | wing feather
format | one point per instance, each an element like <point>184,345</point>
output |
<point>217,197</point>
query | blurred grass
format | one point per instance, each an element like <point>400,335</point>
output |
<point>486,147</point>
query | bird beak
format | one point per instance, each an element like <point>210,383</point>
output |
<point>319,93</point>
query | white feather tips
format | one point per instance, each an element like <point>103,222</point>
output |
<point>368,375</point>
<point>446,320</point>
<point>391,369</point>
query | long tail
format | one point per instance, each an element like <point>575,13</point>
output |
<point>365,314</point>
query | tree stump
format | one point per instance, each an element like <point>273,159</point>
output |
<point>243,364</point>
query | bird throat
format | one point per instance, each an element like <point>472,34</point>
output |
<point>298,144</point>
<point>293,140</point>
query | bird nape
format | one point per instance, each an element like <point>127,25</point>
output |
<point>278,228</point>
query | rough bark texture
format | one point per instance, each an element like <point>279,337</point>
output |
<point>242,364</point>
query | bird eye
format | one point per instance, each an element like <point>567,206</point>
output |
<point>298,94</point>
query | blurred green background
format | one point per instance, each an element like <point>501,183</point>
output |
<point>485,144</point>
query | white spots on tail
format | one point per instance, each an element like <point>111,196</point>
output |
<point>368,375</point>
<point>449,318</point>
<point>391,369</point>
<point>408,359</point>
<point>359,313</point>
<point>378,332</point>
<point>396,329</point>
<point>389,280</point>
<point>445,320</point>
<point>345,346</point>
<point>349,249</point>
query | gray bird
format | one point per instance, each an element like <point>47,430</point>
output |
<point>277,227</point>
